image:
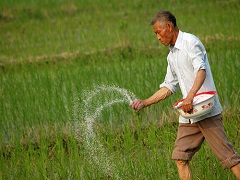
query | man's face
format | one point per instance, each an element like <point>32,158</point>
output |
<point>163,32</point>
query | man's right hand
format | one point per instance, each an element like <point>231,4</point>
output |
<point>137,104</point>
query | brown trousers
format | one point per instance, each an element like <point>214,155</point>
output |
<point>191,136</point>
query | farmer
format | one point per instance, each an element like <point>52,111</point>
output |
<point>188,66</point>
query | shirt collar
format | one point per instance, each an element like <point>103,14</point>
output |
<point>178,42</point>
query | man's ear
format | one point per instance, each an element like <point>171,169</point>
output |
<point>169,26</point>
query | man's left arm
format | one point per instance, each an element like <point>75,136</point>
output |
<point>187,104</point>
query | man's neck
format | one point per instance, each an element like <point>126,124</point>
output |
<point>175,35</point>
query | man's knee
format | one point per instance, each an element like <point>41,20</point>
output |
<point>181,163</point>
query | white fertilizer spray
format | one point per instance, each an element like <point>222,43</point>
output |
<point>95,101</point>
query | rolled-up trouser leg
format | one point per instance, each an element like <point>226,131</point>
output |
<point>213,131</point>
<point>188,142</point>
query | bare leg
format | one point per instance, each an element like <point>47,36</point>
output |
<point>184,170</point>
<point>236,171</point>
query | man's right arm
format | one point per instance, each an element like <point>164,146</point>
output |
<point>160,95</point>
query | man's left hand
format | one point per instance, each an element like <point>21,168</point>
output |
<point>187,105</point>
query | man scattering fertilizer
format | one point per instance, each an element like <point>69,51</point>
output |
<point>188,66</point>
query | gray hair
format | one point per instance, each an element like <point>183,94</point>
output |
<point>164,16</point>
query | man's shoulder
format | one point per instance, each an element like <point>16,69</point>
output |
<point>190,40</point>
<point>189,37</point>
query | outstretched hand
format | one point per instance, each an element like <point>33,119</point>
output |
<point>137,104</point>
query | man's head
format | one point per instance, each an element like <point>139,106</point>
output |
<point>165,27</point>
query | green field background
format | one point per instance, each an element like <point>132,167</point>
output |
<point>51,51</point>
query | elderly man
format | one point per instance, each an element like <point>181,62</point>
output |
<point>189,68</point>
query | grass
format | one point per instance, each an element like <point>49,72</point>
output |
<point>51,51</point>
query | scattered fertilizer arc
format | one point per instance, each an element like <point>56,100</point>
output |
<point>95,101</point>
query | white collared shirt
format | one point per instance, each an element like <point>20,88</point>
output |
<point>185,59</point>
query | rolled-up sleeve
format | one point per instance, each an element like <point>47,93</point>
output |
<point>197,55</point>
<point>170,81</point>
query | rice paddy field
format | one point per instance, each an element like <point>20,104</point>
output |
<point>69,69</point>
